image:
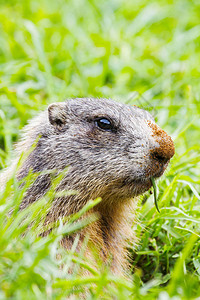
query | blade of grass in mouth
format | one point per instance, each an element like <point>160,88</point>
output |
<point>155,193</point>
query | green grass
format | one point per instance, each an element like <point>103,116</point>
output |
<point>52,50</point>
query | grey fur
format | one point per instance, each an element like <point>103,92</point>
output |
<point>115,165</point>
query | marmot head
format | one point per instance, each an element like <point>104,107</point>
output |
<point>112,149</point>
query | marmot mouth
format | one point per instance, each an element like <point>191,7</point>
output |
<point>155,171</point>
<point>135,187</point>
<point>142,184</point>
<point>161,171</point>
<point>145,176</point>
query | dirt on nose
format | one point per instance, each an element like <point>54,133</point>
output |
<point>166,145</point>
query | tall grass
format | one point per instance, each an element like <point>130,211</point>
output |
<point>52,50</point>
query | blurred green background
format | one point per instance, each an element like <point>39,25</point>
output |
<point>139,52</point>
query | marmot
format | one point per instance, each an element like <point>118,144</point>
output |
<point>112,151</point>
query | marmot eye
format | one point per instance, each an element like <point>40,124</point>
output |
<point>104,124</point>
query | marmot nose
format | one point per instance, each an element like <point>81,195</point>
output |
<point>162,155</point>
<point>164,150</point>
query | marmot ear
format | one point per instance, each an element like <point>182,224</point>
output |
<point>57,113</point>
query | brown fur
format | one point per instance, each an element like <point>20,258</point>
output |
<point>115,165</point>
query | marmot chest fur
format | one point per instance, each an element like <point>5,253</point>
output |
<point>112,151</point>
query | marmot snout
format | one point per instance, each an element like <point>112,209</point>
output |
<point>111,149</point>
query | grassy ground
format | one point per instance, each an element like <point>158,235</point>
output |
<point>51,50</point>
